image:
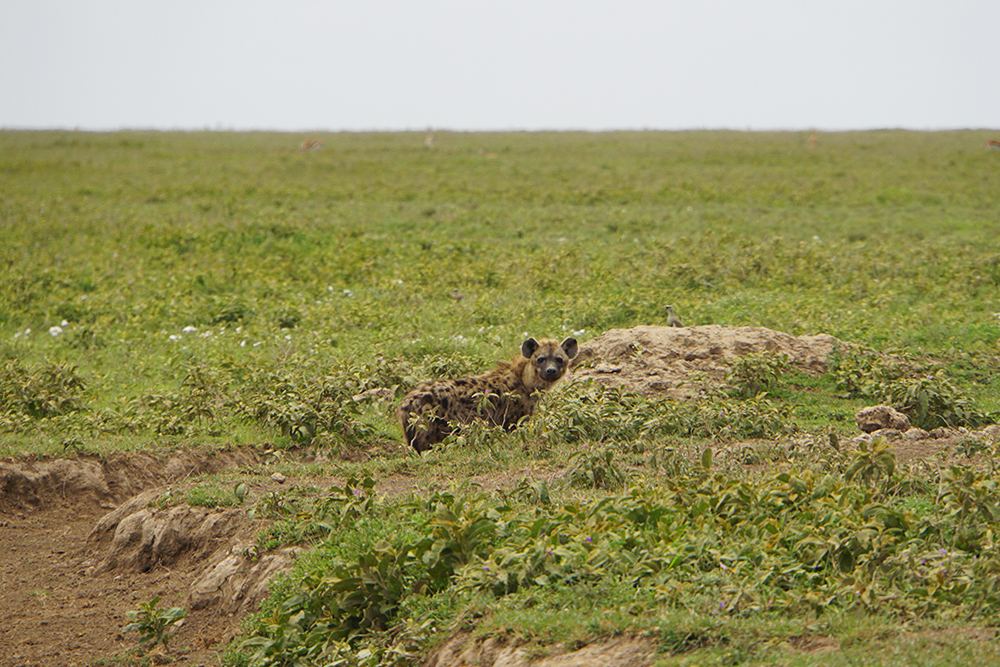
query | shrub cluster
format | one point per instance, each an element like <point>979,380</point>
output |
<point>928,397</point>
<point>845,532</point>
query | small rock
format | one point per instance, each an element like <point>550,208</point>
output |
<point>991,432</point>
<point>880,417</point>
<point>279,478</point>
<point>916,434</point>
<point>377,394</point>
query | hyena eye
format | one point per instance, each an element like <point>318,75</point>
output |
<point>559,360</point>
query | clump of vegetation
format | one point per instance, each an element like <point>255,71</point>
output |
<point>591,413</point>
<point>39,391</point>
<point>753,374</point>
<point>865,374</point>
<point>154,624</point>
<point>596,470</point>
<point>932,401</point>
<point>838,535</point>
<point>928,397</point>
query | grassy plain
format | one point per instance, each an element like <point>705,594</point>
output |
<point>163,290</point>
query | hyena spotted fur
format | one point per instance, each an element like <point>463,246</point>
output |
<point>501,397</point>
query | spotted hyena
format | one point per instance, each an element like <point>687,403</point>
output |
<point>501,397</point>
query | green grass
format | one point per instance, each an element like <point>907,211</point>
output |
<point>218,290</point>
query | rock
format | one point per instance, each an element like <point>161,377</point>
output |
<point>878,417</point>
<point>887,433</point>
<point>237,582</point>
<point>462,650</point>
<point>916,434</point>
<point>145,536</point>
<point>991,432</point>
<point>374,395</point>
<point>278,477</point>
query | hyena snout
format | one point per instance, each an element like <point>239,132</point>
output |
<point>552,372</point>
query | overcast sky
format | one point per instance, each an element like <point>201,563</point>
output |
<point>475,65</point>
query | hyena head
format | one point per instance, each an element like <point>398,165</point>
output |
<point>548,361</point>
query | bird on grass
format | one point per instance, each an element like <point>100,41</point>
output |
<point>672,320</point>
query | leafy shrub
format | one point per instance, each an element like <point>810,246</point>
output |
<point>751,374</point>
<point>596,470</point>
<point>872,461</point>
<point>40,391</point>
<point>301,408</point>
<point>863,373</point>
<point>592,413</point>
<point>154,624</point>
<point>298,521</point>
<point>932,401</point>
<point>704,541</point>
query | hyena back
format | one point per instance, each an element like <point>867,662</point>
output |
<point>501,397</point>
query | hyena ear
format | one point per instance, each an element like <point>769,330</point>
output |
<point>570,347</point>
<point>528,348</point>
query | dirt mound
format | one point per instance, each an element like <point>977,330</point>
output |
<point>681,362</point>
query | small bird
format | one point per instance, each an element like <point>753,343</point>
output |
<point>672,320</point>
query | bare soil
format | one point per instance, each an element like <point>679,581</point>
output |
<point>80,544</point>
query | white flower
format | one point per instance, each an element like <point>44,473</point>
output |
<point>55,331</point>
<point>64,323</point>
<point>288,337</point>
<point>243,343</point>
<point>348,293</point>
<point>27,332</point>
<point>174,337</point>
<point>189,329</point>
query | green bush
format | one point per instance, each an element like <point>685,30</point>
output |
<point>750,375</point>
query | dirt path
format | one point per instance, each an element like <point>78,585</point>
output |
<point>54,611</point>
